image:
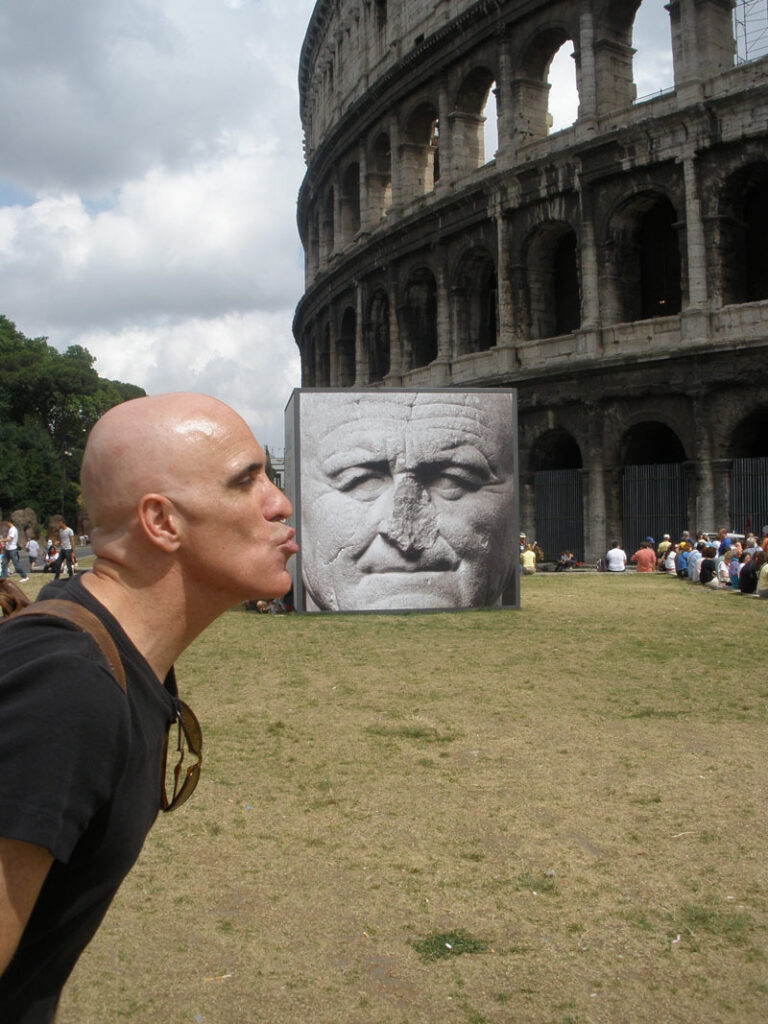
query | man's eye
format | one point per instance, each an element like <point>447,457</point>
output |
<point>362,484</point>
<point>454,483</point>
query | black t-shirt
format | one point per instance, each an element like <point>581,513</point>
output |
<point>708,570</point>
<point>80,774</point>
<point>748,578</point>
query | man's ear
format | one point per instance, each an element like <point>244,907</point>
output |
<point>160,522</point>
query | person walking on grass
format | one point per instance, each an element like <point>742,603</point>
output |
<point>66,546</point>
<point>81,758</point>
<point>11,552</point>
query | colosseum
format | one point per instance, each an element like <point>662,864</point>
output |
<point>615,272</point>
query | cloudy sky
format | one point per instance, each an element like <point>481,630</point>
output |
<point>149,169</point>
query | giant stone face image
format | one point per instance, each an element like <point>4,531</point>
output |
<point>406,499</point>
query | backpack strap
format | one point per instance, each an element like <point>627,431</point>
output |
<point>82,619</point>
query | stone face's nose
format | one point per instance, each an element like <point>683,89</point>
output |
<point>412,526</point>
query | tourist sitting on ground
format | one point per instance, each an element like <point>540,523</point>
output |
<point>669,560</point>
<point>565,561</point>
<point>616,558</point>
<point>681,560</point>
<point>50,558</point>
<point>644,558</point>
<point>762,575</point>
<point>661,551</point>
<point>528,560</point>
<point>735,567</point>
<point>749,571</point>
<point>724,568</point>
<point>707,568</point>
<point>750,545</point>
<point>694,561</point>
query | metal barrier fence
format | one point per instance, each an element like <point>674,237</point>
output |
<point>749,495</point>
<point>559,512</point>
<point>655,502</point>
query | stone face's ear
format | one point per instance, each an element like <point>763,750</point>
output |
<point>159,521</point>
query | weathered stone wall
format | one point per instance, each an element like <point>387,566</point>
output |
<point>614,272</point>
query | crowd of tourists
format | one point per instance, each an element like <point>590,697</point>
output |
<point>723,562</point>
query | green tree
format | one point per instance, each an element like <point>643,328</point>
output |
<point>48,404</point>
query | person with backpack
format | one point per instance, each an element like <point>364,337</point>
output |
<point>84,731</point>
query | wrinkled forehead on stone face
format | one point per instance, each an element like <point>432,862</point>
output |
<point>409,427</point>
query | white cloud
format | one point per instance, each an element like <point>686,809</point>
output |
<point>151,159</point>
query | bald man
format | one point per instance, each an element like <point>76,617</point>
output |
<point>80,760</point>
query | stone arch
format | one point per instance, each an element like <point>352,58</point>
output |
<point>744,227</point>
<point>345,349</point>
<point>530,88</point>
<point>468,120</point>
<point>380,177</point>
<point>420,150</point>
<point>749,438</point>
<point>378,337</point>
<point>652,68</point>
<point>650,442</point>
<point>555,463</point>
<point>475,302</point>
<point>350,203</point>
<point>553,280</point>
<point>554,449</point>
<point>419,313</point>
<point>645,259</point>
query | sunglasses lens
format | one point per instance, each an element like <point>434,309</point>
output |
<point>190,738</point>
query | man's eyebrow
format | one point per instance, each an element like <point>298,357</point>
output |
<point>253,467</point>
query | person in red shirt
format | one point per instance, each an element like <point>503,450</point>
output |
<point>645,558</point>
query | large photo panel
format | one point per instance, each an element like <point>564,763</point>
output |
<point>404,500</point>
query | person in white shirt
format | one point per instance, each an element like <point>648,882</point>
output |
<point>616,558</point>
<point>66,547</point>
<point>11,552</point>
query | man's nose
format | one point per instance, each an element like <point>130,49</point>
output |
<point>412,526</point>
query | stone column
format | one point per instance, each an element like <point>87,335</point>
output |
<point>365,211</point>
<point>362,368</point>
<point>395,356</point>
<point>332,361</point>
<point>585,70</point>
<point>503,284</point>
<point>445,139</point>
<point>695,239</point>
<point>444,339</point>
<point>396,162</point>
<point>590,287</point>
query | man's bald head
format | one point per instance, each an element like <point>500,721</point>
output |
<point>154,444</point>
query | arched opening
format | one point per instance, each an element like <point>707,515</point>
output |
<point>491,125</point>
<point>649,443</point>
<point>749,472</point>
<point>556,464</point>
<point>468,121</point>
<point>380,177</point>
<point>475,297</point>
<point>652,69</point>
<point>563,89</point>
<point>646,257</point>
<point>350,203</point>
<point>553,281</point>
<point>308,368</point>
<point>654,484</point>
<point>420,319</point>
<point>530,93</point>
<point>345,349</point>
<point>744,227</point>
<point>421,162</point>
<point>378,338</point>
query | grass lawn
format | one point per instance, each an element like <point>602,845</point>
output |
<point>549,816</point>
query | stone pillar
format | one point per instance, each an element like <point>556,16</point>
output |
<point>505,128</point>
<point>593,486</point>
<point>332,361</point>
<point>585,71</point>
<point>590,279</point>
<point>694,238</point>
<point>703,44</point>
<point>362,368</point>
<point>705,481</point>
<point>615,88</point>
<point>721,480</point>
<point>466,131</point>
<point>445,140</point>
<point>444,339</point>
<point>365,210</point>
<point>396,162</point>
<point>503,284</point>
<point>518,327</point>
<point>394,377</point>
